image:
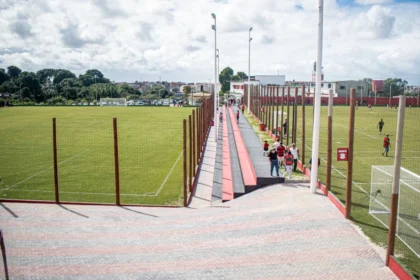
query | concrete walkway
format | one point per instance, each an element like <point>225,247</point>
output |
<point>280,232</point>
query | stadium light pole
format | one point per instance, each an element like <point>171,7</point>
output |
<point>215,77</point>
<point>218,97</point>
<point>317,105</point>
<point>249,66</point>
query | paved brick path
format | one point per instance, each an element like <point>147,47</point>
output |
<point>279,232</point>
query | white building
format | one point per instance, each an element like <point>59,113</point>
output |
<point>201,87</point>
<point>237,87</point>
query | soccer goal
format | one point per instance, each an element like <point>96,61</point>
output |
<point>408,217</point>
<point>113,102</point>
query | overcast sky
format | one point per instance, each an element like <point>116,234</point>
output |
<point>132,40</point>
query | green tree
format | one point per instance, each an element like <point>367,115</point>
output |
<point>241,76</point>
<point>86,79</point>
<point>395,85</point>
<point>62,74</point>
<point>3,77</point>
<point>13,71</point>
<point>9,86</point>
<point>186,90</point>
<point>45,75</point>
<point>30,80</point>
<point>225,77</point>
<point>95,73</point>
<point>26,93</point>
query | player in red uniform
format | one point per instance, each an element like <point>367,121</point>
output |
<point>280,153</point>
<point>387,145</point>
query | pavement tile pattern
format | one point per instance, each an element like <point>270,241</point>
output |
<point>278,232</point>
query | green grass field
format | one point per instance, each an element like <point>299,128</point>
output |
<point>367,152</point>
<point>150,149</point>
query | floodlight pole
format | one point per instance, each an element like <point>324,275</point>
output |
<point>317,105</point>
<point>215,79</point>
<point>218,69</point>
<point>249,65</point>
<point>396,180</point>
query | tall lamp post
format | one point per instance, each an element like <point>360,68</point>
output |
<point>215,77</point>
<point>249,67</point>
<point>218,97</point>
<point>317,103</point>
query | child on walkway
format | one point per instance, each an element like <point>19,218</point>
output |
<point>265,151</point>
<point>289,164</point>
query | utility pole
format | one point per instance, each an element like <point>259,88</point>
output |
<point>249,63</point>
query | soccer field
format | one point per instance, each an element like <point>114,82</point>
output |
<point>368,152</point>
<point>150,154</point>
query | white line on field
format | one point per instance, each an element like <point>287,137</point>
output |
<point>169,174</point>
<point>45,170</point>
<point>357,131</point>
<point>81,192</point>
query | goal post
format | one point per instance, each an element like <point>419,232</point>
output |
<point>408,218</point>
<point>113,102</point>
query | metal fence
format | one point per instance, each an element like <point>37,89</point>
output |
<point>347,183</point>
<point>110,161</point>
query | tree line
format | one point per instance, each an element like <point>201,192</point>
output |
<point>61,86</point>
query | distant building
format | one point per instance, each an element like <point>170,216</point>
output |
<point>378,86</point>
<point>237,87</point>
<point>200,87</point>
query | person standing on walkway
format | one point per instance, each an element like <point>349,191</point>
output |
<point>237,116</point>
<point>289,161</point>
<point>243,108</point>
<point>274,162</point>
<point>295,153</point>
<point>387,145</point>
<point>284,128</point>
<point>266,146</point>
<point>280,153</point>
<point>380,126</point>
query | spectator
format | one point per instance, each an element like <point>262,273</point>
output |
<point>310,163</point>
<point>289,162</point>
<point>273,162</point>
<point>265,151</point>
<point>295,153</point>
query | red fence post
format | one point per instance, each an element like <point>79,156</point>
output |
<point>117,167</point>
<point>3,252</point>
<point>184,149</point>
<point>282,113</point>
<point>193,142</point>
<point>197,114</point>
<point>57,197</point>
<point>190,152</point>
<point>288,116</point>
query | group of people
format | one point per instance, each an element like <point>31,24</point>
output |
<point>387,141</point>
<point>280,155</point>
<point>237,116</point>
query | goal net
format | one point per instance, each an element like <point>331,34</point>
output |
<point>113,102</point>
<point>408,217</point>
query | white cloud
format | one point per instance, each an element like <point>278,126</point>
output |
<point>139,40</point>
